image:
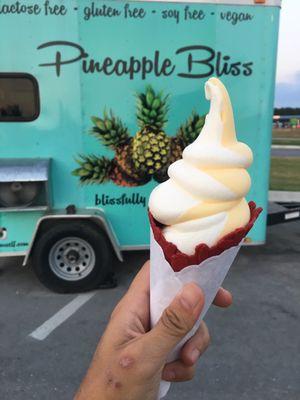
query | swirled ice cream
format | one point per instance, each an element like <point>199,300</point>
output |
<point>204,199</point>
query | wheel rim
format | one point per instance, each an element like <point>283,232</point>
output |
<point>72,258</point>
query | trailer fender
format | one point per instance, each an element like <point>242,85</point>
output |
<point>96,217</point>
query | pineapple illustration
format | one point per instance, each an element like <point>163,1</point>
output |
<point>151,145</point>
<point>113,134</point>
<point>186,134</point>
<point>144,156</point>
<point>98,170</point>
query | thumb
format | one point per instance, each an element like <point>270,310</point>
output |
<point>177,320</point>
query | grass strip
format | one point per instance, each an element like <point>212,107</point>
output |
<point>285,173</point>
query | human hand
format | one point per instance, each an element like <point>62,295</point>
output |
<point>130,359</point>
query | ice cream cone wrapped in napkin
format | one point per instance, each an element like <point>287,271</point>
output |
<point>199,216</point>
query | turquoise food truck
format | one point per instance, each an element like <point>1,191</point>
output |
<point>97,98</point>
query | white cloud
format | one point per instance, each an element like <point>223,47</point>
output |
<point>288,61</point>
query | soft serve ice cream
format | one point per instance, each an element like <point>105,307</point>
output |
<point>204,199</point>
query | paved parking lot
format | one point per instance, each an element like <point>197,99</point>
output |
<point>255,351</point>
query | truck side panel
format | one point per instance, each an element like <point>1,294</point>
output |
<point>89,60</point>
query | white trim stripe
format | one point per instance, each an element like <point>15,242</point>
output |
<point>13,254</point>
<point>135,247</point>
<point>285,147</point>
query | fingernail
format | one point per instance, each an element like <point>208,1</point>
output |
<point>189,297</point>
<point>195,355</point>
<point>169,375</point>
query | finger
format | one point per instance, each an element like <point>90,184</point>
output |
<point>176,321</point>
<point>223,298</point>
<point>195,346</point>
<point>177,371</point>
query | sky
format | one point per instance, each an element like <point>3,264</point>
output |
<point>287,93</point>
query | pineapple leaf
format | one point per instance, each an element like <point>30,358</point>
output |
<point>152,108</point>
<point>153,114</point>
<point>108,124</point>
<point>150,96</point>
<point>110,130</point>
<point>190,129</point>
<point>156,103</point>
<point>93,169</point>
<point>99,123</point>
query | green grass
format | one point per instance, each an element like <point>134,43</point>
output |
<point>285,142</point>
<point>287,136</point>
<point>285,173</point>
<point>286,133</point>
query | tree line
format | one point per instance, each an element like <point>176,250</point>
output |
<point>287,111</point>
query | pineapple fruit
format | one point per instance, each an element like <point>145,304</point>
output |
<point>94,170</point>
<point>144,156</point>
<point>113,134</point>
<point>151,146</point>
<point>186,134</point>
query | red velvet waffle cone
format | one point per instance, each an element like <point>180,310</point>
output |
<point>179,260</point>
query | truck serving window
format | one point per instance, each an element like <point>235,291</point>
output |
<point>19,97</point>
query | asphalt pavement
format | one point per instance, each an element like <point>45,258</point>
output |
<point>255,350</point>
<point>285,152</point>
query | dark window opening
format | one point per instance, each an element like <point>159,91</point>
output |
<point>19,97</point>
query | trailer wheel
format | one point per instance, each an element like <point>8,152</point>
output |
<point>73,257</point>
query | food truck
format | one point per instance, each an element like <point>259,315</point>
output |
<point>97,98</point>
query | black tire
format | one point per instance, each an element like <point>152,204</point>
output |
<point>101,272</point>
